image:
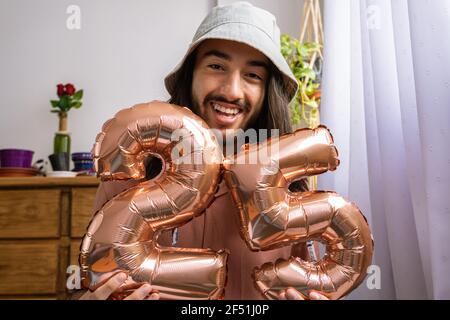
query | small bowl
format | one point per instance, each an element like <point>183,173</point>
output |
<point>83,161</point>
<point>16,158</point>
<point>79,156</point>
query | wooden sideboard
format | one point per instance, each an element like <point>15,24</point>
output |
<point>42,221</point>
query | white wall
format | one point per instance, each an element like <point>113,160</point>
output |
<point>119,57</point>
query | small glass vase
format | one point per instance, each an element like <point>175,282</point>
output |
<point>61,142</point>
<point>61,150</point>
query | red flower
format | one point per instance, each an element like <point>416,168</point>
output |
<point>60,90</point>
<point>70,89</point>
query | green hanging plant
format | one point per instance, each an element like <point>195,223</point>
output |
<point>305,106</point>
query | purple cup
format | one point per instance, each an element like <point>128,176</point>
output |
<point>83,161</point>
<point>16,158</point>
<point>81,156</point>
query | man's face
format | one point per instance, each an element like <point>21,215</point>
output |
<point>229,83</point>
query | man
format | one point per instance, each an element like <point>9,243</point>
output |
<point>234,77</point>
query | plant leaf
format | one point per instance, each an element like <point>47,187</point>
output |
<point>312,46</point>
<point>295,114</point>
<point>55,103</point>
<point>76,104</point>
<point>305,72</point>
<point>78,95</point>
<point>312,103</point>
<point>311,88</point>
<point>303,52</point>
<point>285,39</point>
<point>64,103</point>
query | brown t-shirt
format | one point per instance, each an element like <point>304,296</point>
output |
<point>217,228</point>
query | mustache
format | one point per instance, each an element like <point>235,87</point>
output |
<point>244,105</point>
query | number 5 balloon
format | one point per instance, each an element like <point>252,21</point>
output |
<point>123,234</point>
<point>272,216</point>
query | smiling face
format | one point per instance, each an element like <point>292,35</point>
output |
<point>229,83</point>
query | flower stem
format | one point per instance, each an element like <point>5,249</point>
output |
<point>62,121</point>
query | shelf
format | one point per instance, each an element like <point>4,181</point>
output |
<point>85,181</point>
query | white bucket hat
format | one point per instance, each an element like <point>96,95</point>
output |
<point>244,23</point>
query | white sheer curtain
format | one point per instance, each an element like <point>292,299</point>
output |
<point>386,99</point>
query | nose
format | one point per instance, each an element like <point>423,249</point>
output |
<point>232,88</point>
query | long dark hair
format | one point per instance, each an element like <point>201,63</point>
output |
<point>274,114</point>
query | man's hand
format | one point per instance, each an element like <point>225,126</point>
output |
<point>292,294</point>
<point>113,284</point>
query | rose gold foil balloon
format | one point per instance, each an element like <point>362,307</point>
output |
<point>123,234</point>
<point>271,216</point>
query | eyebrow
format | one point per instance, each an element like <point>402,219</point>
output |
<point>225,56</point>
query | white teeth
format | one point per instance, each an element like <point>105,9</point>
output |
<point>230,111</point>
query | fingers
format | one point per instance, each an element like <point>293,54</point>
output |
<point>153,296</point>
<point>114,283</point>
<point>140,293</point>
<point>110,286</point>
<point>313,295</point>
<point>282,295</point>
<point>292,294</point>
<point>104,291</point>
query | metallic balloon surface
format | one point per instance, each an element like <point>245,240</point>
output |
<point>123,234</point>
<point>271,216</point>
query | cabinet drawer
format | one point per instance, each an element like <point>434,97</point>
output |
<point>28,268</point>
<point>82,204</point>
<point>29,213</point>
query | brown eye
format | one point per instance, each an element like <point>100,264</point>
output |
<point>215,66</point>
<point>254,76</point>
